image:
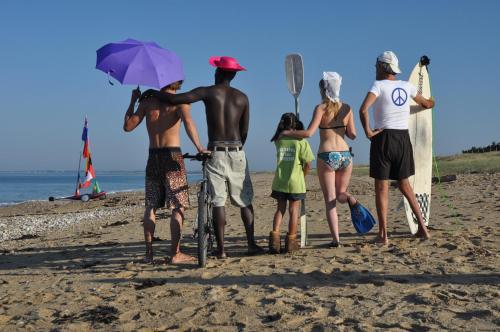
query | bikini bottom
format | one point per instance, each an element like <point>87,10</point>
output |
<point>337,160</point>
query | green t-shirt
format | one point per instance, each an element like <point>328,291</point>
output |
<point>291,155</point>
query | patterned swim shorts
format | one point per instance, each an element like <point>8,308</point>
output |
<point>166,181</point>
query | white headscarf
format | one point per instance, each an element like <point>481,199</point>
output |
<point>331,82</point>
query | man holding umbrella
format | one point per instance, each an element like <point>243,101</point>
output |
<point>227,112</point>
<point>166,182</point>
<point>146,63</point>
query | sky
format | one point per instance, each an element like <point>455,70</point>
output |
<point>48,80</point>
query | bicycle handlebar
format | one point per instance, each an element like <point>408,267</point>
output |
<point>201,156</point>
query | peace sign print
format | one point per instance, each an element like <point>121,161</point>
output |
<point>399,96</point>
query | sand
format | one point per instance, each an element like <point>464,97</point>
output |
<point>87,275</point>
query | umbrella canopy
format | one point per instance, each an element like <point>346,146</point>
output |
<point>140,63</point>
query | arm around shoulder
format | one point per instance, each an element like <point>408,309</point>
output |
<point>311,129</point>
<point>176,99</point>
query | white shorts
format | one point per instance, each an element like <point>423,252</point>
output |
<point>228,172</point>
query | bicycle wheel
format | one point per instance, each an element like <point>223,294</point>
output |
<point>210,225</point>
<point>202,227</point>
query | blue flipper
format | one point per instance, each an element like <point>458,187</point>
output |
<point>362,219</point>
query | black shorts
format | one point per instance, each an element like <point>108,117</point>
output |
<point>391,155</point>
<point>287,196</point>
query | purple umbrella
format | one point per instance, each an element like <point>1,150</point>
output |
<point>140,63</point>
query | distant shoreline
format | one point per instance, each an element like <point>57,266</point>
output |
<point>4,204</point>
<point>488,162</point>
<point>474,159</point>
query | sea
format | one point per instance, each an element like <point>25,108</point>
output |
<point>22,186</point>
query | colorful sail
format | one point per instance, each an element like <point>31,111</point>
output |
<point>85,139</point>
<point>96,189</point>
<point>89,173</point>
<point>89,179</point>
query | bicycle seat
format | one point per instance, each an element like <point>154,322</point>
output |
<point>201,156</point>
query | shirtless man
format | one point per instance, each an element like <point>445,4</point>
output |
<point>227,113</point>
<point>391,152</point>
<point>166,183</point>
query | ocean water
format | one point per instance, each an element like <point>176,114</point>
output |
<point>16,187</point>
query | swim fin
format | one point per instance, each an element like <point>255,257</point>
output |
<point>362,219</point>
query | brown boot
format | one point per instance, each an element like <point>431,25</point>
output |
<point>274,242</point>
<point>291,243</point>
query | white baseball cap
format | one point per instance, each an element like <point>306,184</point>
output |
<point>390,58</point>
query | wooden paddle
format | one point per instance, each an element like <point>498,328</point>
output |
<point>294,69</point>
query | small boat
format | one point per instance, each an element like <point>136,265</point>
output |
<point>81,197</point>
<point>90,179</point>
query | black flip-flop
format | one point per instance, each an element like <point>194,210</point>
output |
<point>334,244</point>
<point>257,251</point>
<point>215,254</point>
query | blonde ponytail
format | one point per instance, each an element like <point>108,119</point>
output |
<point>332,107</point>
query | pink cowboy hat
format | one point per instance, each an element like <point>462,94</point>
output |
<point>226,63</point>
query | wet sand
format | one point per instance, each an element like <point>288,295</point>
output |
<point>85,273</point>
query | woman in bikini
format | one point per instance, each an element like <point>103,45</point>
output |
<point>335,120</point>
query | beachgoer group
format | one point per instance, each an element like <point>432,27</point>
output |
<point>227,113</point>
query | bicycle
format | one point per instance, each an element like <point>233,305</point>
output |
<point>204,229</point>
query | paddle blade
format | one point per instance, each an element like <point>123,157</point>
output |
<point>294,68</point>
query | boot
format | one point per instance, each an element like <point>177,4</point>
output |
<point>291,243</point>
<point>274,242</point>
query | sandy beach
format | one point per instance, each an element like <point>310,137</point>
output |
<point>73,266</point>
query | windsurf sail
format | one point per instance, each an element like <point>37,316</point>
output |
<point>90,177</point>
<point>85,139</point>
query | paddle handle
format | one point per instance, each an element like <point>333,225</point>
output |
<point>297,108</point>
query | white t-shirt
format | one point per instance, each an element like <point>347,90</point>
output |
<point>391,110</point>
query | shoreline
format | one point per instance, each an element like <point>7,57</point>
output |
<point>5,204</point>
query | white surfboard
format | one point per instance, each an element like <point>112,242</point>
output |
<point>420,129</point>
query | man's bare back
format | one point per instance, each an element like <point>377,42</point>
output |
<point>163,123</point>
<point>226,109</point>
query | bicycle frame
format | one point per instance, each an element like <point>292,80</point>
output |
<point>203,191</point>
<point>204,229</point>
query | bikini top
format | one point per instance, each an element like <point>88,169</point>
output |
<point>334,127</point>
<point>342,108</point>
